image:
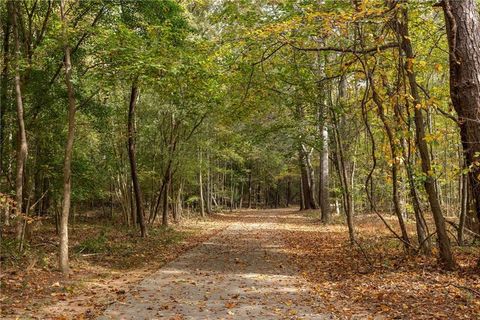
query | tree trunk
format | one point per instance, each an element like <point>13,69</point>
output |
<point>209,192</point>
<point>67,172</point>
<point>393,150</point>
<point>342,172</point>
<point>305,169</point>
<point>22,148</point>
<point>463,209</point>
<point>324,197</point>
<point>288,196</point>
<point>4,79</point>
<point>172,199</point>
<point>232,191</point>
<point>463,32</point>
<point>446,256</point>
<point>165,195</point>
<point>250,189</point>
<point>200,183</point>
<point>420,223</point>
<point>302,196</point>
<point>132,157</point>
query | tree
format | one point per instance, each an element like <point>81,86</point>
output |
<point>463,33</point>
<point>67,163</point>
<point>446,256</point>
<point>132,157</point>
<point>22,149</point>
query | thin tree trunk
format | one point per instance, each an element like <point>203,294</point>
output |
<point>344,181</point>
<point>324,197</point>
<point>250,189</point>
<point>67,173</point>
<point>22,148</point>
<point>232,191</point>
<point>240,201</point>
<point>323,187</point>
<point>302,196</point>
<point>131,198</point>
<point>421,225</point>
<point>209,192</point>
<point>133,162</point>
<point>309,201</point>
<point>200,183</point>
<point>288,196</point>
<point>463,209</point>
<point>4,80</point>
<point>172,196</point>
<point>165,195</point>
<point>393,150</point>
<point>446,256</point>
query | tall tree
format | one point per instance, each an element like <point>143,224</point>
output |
<point>133,160</point>
<point>22,148</point>
<point>67,162</point>
<point>463,33</point>
<point>446,256</point>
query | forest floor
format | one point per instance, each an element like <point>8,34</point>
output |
<point>375,279</point>
<point>276,264</point>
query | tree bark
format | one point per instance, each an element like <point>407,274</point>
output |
<point>133,162</point>
<point>463,33</point>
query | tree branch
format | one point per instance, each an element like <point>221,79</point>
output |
<point>348,50</point>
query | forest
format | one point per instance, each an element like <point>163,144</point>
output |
<point>150,148</point>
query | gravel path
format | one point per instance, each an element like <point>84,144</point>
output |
<point>241,273</point>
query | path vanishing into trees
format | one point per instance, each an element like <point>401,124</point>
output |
<point>241,273</point>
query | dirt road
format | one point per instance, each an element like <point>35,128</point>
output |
<point>241,273</point>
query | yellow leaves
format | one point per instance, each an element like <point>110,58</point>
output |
<point>429,138</point>
<point>438,67</point>
<point>432,102</point>
<point>432,137</point>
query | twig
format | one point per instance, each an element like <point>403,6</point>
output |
<point>476,292</point>
<point>453,224</point>
<point>367,258</point>
<point>420,246</point>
